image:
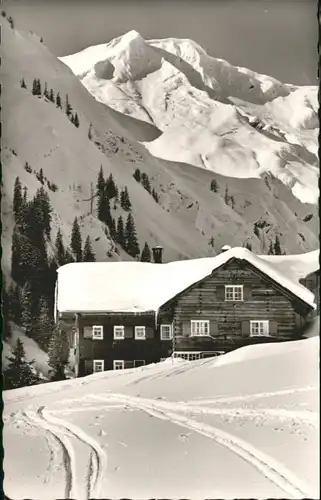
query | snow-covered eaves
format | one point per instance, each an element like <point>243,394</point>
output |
<point>136,287</point>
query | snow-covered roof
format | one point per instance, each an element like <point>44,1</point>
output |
<point>140,287</point>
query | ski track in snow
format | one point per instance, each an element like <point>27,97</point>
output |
<point>249,397</point>
<point>64,433</point>
<point>270,468</point>
<point>61,435</point>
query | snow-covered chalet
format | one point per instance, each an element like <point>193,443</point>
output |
<point>127,314</point>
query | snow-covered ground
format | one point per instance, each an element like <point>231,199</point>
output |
<point>32,350</point>
<point>244,425</point>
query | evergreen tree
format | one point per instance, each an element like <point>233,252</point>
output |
<point>68,257</point>
<point>38,87</point>
<point>16,251</point>
<point>111,188</point>
<point>35,87</point>
<point>113,232</point>
<point>14,298</point>
<point>72,119</point>
<point>23,83</point>
<point>52,95</point>
<point>58,354</point>
<point>17,199</point>
<point>76,120</point>
<point>120,232</point>
<point>68,108</point>
<point>43,208</point>
<point>271,249</point>
<point>75,242</point>
<point>137,175</point>
<point>45,92</point>
<point>125,202</point>
<point>41,177</point>
<point>90,132</point>
<point>103,209</point>
<point>226,196</point>
<point>19,372</point>
<point>44,323</point>
<point>248,246</point>
<point>25,192</point>
<point>211,242</point>
<point>146,255</point>
<point>145,182</point>
<point>11,22</point>
<point>41,40</point>
<point>277,246</point>
<point>131,242</point>
<point>58,101</point>
<point>6,329</point>
<point>232,202</point>
<point>28,168</point>
<point>155,195</point>
<point>100,181</point>
<point>60,253</point>
<point>26,307</point>
<point>214,186</point>
<point>89,255</point>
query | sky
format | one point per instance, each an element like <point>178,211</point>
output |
<point>273,37</point>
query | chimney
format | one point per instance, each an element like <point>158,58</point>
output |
<point>225,248</point>
<point>158,254</point>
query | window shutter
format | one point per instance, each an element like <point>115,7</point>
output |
<point>247,292</point>
<point>213,328</point>
<point>186,331</point>
<point>128,364</point>
<point>149,332</point>
<point>220,292</point>
<point>246,328</point>
<point>273,328</point>
<point>88,332</point>
<point>89,366</point>
<point>129,332</point>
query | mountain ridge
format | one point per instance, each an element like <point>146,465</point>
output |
<point>176,86</point>
<point>188,216</point>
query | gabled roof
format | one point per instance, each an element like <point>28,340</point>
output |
<point>140,287</point>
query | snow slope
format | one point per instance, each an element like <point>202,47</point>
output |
<point>164,431</point>
<point>188,214</point>
<point>32,350</point>
<point>172,278</point>
<point>213,115</point>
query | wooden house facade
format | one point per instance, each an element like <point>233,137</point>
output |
<point>312,283</point>
<point>235,304</point>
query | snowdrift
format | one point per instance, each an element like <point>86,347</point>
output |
<point>244,425</point>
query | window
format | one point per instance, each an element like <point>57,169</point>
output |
<point>119,332</point>
<point>200,328</point>
<point>139,362</point>
<point>188,356</point>
<point>233,293</point>
<point>259,328</point>
<point>140,333</point>
<point>119,364</point>
<point>98,365</point>
<point>97,332</point>
<point>166,332</point>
